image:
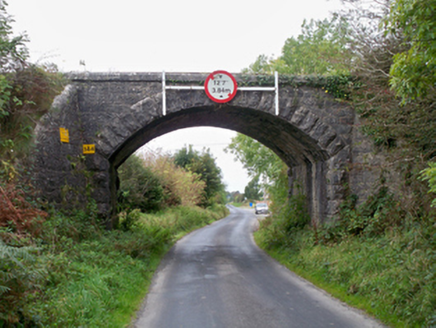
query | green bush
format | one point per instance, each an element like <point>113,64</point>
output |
<point>379,213</point>
<point>376,256</point>
<point>430,175</point>
<point>392,276</point>
<point>284,221</point>
<point>204,166</point>
<point>183,218</point>
<point>21,275</point>
<point>139,187</point>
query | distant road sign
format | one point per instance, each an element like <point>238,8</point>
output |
<point>220,86</point>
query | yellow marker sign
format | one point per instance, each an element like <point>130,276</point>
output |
<point>89,149</point>
<point>65,137</point>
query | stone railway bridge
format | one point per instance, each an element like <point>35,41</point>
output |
<point>314,134</point>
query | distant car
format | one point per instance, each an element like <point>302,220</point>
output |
<point>261,208</point>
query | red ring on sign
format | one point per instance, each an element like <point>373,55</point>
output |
<point>231,95</point>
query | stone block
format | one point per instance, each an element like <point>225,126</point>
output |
<point>336,145</point>
<point>308,123</point>
<point>328,136</point>
<point>335,192</point>
<point>299,116</point>
<point>336,177</point>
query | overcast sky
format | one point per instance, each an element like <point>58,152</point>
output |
<point>170,35</point>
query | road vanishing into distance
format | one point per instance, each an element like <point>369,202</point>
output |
<point>217,277</point>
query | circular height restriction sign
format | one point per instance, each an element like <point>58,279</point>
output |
<point>220,86</point>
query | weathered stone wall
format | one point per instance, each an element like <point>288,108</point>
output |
<point>119,112</point>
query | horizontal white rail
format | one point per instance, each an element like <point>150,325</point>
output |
<point>184,87</point>
<point>257,88</point>
<point>199,87</point>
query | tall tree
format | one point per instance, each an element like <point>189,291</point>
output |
<point>26,92</point>
<point>13,55</point>
<point>253,190</point>
<point>413,70</point>
<point>257,159</point>
<point>389,48</point>
<point>320,49</point>
<point>13,50</point>
<point>203,164</point>
<point>261,161</point>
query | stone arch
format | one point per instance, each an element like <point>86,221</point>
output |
<point>313,133</point>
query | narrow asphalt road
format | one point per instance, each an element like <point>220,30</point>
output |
<point>218,277</point>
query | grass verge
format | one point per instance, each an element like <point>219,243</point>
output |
<point>79,275</point>
<point>391,276</point>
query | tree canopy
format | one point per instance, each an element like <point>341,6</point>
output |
<point>204,166</point>
<point>13,50</point>
<point>257,159</point>
<point>389,49</point>
<point>253,190</point>
<point>319,50</point>
<point>413,73</point>
<point>26,92</point>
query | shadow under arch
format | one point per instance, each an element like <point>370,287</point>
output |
<point>301,153</point>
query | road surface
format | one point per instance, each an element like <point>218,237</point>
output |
<point>218,277</point>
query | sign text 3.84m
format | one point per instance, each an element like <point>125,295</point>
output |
<point>220,86</point>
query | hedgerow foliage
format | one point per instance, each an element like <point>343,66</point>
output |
<point>73,273</point>
<point>20,277</point>
<point>181,186</point>
<point>203,165</point>
<point>429,174</point>
<point>16,213</point>
<point>139,186</point>
<point>153,182</point>
<point>26,91</point>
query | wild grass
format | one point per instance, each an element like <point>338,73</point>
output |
<point>391,274</point>
<point>89,277</point>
